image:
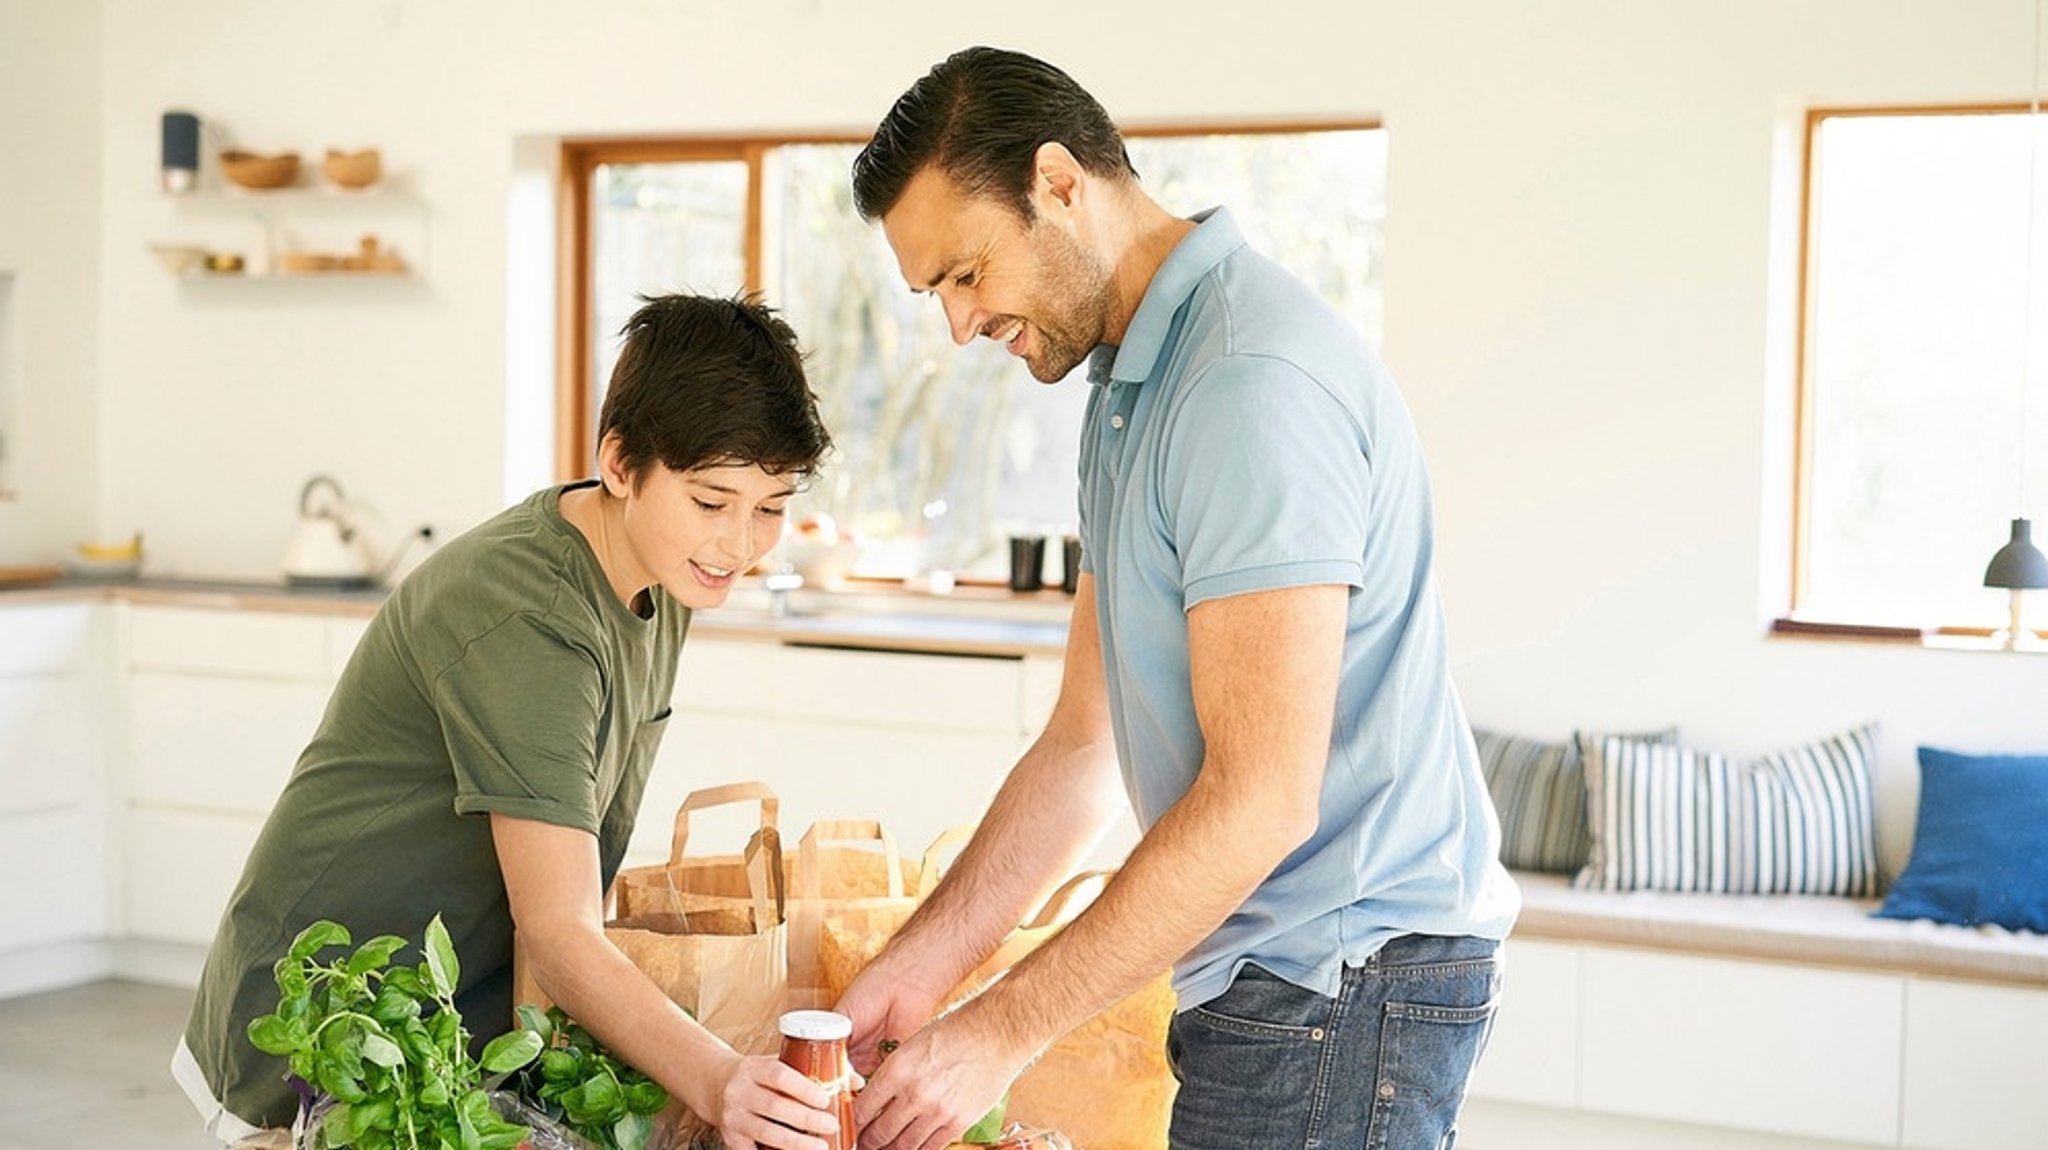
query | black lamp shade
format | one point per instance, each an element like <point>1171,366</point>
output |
<point>2019,563</point>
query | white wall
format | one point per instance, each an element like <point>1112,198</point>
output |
<point>1580,283</point>
<point>50,114</point>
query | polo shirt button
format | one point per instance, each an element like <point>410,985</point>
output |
<point>1117,421</point>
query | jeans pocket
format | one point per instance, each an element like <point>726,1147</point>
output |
<point>1427,1052</point>
<point>1244,1060</point>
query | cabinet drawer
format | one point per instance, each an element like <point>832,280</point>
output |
<point>1533,1053</point>
<point>725,676</point>
<point>55,885</point>
<point>180,869</point>
<point>1778,1048</point>
<point>46,748</point>
<point>888,689</point>
<point>915,783</point>
<point>252,643</point>
<point>1973,1066</point>
<point>46,638</point>
<point>221,743</point>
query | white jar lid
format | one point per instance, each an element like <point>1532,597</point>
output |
<point>816,1025</point>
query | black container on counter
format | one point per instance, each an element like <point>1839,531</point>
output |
<point>1027,562</point>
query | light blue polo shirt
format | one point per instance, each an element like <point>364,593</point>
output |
<point>1245,438</point>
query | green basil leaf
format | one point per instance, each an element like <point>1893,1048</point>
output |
<point>367,1115</point>
<point>374,954</point>
<point>317,937</point>
<point>990,1128</point>
<point>646,1097</point>
<point>444,973</point>
<point>271,1035</point>
<point>394,1006</point>
<point>382,1051</point>
<point>407,980</point>
<point>434,1092</point>
<point>510,1051</point>
<point>336,1081</point>
<point>532,1018</point>
<point>632,1132</point>
<point>559,1066</point>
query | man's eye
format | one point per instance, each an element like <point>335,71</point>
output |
<point>964,279</point>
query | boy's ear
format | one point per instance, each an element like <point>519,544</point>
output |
<point>611,467</point>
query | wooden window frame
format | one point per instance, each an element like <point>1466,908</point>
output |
<point>575,422</point>
<point>1802,421</point>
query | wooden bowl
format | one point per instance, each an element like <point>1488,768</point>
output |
<point>353,169</point>
<point>250,170</point>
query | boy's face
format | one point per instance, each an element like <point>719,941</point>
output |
<point>695,532</point>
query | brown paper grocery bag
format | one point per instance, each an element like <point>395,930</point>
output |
<point>830,877</point>
<point>712,889</point>
<point>726,969</point>
<point>851,935</point>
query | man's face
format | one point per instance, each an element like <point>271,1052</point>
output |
<point>1035,288</point>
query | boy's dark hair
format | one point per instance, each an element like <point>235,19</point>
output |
<point>704,381</point>
<point>980,115</point>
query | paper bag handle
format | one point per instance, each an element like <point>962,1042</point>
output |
<point>950,840</point>
<point>1070,898</point>
<point>771,809</point>
<point>846,831</point>
<point>763,861</point>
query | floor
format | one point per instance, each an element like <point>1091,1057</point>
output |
<point>90,1067</point>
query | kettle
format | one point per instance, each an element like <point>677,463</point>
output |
<point>326,550</point>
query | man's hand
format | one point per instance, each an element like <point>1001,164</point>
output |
<point>885,1006</point>
<point>940,1081</point>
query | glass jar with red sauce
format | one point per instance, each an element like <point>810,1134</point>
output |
<point>814,1044</point>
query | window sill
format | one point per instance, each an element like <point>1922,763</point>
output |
<point>1932,638</point>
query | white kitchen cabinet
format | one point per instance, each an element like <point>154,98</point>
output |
<point>1533,1053</point>
<point>1759,1046</point>
<point>53,780</point>
<point>918,742</point>
<point>1974,1066</point>
<point>220,702</point>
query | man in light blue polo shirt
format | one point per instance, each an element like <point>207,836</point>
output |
<point>1256,661</point>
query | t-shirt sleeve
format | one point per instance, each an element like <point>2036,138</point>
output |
<point>519,711</point>
<point>1265,482</point>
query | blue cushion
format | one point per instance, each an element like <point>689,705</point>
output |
<point>1980,849</point>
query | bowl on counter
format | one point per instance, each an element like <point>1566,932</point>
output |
<point>256,171</point>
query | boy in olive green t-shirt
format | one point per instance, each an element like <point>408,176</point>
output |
<point>484,753</point>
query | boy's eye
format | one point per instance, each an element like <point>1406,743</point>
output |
<point>703,506</point>
<point>774,512</point>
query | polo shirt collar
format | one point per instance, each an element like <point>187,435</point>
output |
<point>1216,235</point>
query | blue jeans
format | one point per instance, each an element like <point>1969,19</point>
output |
<point>1382,1066</point>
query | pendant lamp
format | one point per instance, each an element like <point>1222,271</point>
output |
<point>2019,566</point>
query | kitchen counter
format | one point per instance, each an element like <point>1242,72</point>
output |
<point>973,621</point>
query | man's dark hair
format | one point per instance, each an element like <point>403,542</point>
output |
<point>704,381</point>
<point>980,115</point>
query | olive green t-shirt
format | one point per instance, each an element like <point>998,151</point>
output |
<point>503,675</point>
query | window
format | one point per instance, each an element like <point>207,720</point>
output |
<point>1918,321</point>
<point>941,450</point>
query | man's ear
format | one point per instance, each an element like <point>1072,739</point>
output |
<point>1057,177</point>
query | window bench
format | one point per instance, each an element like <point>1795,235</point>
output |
<point>1764,1021</point>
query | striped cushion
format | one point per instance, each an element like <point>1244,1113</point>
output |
<point>1666,817</point>
<point>1539,791</point>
